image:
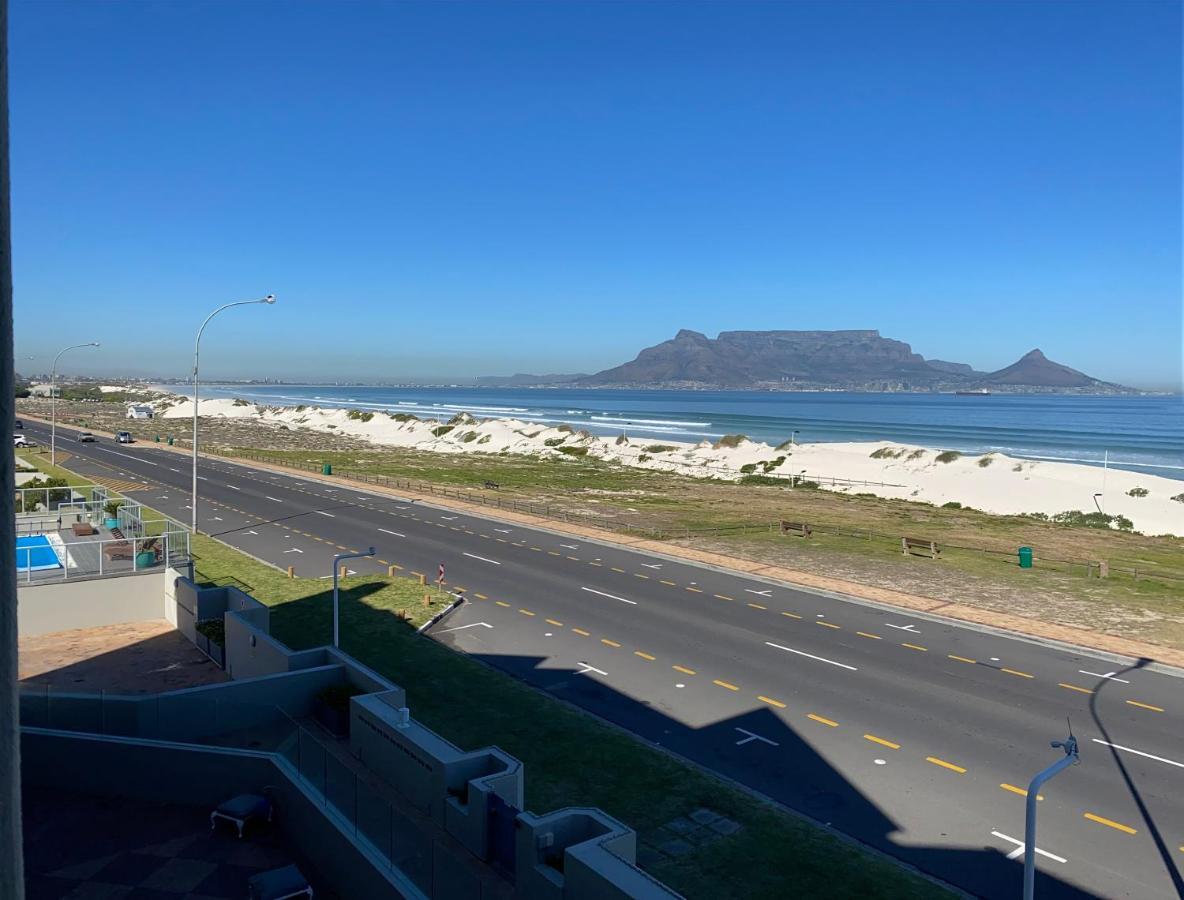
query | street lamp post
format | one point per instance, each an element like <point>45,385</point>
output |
<point>53,400</point>
<point>270,298</point>
<point>336,569</point>
<point>1069,745</point>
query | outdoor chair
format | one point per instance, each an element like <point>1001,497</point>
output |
<point>241,810</point>
<point>279,884</point>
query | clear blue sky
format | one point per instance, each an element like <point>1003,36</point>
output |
<point>459,189</point>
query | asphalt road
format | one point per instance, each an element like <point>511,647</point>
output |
<point>912,734</point>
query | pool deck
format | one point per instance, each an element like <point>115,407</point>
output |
<point>86,555</point>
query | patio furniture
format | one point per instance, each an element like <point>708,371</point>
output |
<point>241,810</point>
<point>278,884</point>
<point>83,529</point>
<point>118,550</point>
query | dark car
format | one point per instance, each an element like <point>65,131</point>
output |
<point>124,437</point>
<point>18,424</point>
<point>85,437</point>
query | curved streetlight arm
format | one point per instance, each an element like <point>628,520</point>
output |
<point>1069,745</point>
<point>269,299</point>
<point>53,400</point>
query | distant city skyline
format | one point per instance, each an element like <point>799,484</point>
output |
<point>452,190</point>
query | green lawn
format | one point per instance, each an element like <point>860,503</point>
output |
<point>571,758</point>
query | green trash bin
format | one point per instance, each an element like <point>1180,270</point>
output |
<point>1025,557</point>
<point>157,439</point>
<point>170,440</point>
<point>326,469</point>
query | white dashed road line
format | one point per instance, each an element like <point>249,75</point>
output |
<point>812,656</point>
<point>610,596</point>
<point>483,559</point>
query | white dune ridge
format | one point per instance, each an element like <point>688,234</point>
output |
<point>1004,485</point>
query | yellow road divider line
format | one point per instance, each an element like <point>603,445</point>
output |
<point>874,637</point>
<point>915,647</point>
<point>879,740</point>
<point>780,705</point>
<point>644,655</point>
<point>722,597</point>
<point>757,606</point>
<point>724,684</point>
<point>1017,673</point>
<point>526,612</point>
<point>575,558</point>
<point>683,669</point>
<point>553,622</point>
<point>502,603</point>
<point>1144,706</point>
<point>595,564</point>
<point>609,643</point>
<point>962,659</point>
<point>639,575</point>
<point>827,624</point>
<point>615,569</point>
<point>669,583</point>
<point>1019,790</point>
<point>790,615</point>
<point>1073,687</point>
<point>945,765</point>
<point>1110,822</point>
<point>479,596</point>
<point>695,590</point>
<point>553,553</point>
<point>581,632</point>
<point>830,722</point>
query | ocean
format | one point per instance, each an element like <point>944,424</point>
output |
<point>1138,433</point>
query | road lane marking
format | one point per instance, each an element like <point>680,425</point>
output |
<point>233,488</point>
<point>770,701</point>
<point>610,596</point>
<point>609,643</point>
<point>790,615</point>
<point>587,668</point>
<point>321,512</point>
<point>753,736</point>
<point>811,656</point>
<point>553,622</point>
<point>760,593</point>
<point>463,627</point>
<point>874,637</point>
<point>615,569</point>
<point>388,531</point>
<point>1170,762</point>
<point>639,575</point>
<point>1017,673</point>
<point>273,499</point>
<point>644,655</point>
<point>1144,706</point>
<point>668,583</point>
<point>1019,848</point>
<point>881,741</point>
<point>570,546</point>
<point>576,558</point>
<point>1111,823</point>
<point>725,684</point>
<point>502,603</point>
<point>482,558</point>
<point>915,647</point>
<point>824,721</point>
<point>1110,675</point>
<point>695,590</point>
<point>757,606</point>
<point>502,530</point>
<point>652,565</point>
<point>582,633</point>
<point>945,765</point>
<point>1019,790</point>
<point>962,659</point>
<point>683,669</point>
<point>479,596</point>
<point>1073,687</point>
<point>827,624</point>
<point>722,597</point>
<point>526,612</point>
<point>910,627</point>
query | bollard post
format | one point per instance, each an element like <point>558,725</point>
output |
<point>291,571</point>
<point>390,571</point>
<point>427,600</point>
<point>423,579</point>
<point>342,572</point>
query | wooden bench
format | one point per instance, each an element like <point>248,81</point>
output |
<point>83,529</point>
<point>918,547</point>
<point>492,485</point>
<point>800,529</point>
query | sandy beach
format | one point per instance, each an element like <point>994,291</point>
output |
<point>994,483</point>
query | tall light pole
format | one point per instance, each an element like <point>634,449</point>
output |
<point>53,401</point>
<point>269,299</point>
<point>336,570</point>
<point>1069,745</point>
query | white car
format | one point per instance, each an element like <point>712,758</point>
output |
<point>19,440</point>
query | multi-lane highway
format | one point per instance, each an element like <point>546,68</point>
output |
<point>915,735</point>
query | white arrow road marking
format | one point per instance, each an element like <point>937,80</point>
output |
<point>502,530</point>
<point>483,559</point>
<point>1019,848</point>
<point>463,627</point>
<point>753,737</point>
<point>610,596</point>
<point>1109,675</point>
<point>321,512</point>
<point>587,668</point>
<point>178,471</point>
<point>571,546</point>
<point>163,497</point>
<point>294,550</point>
<point>1170,762</point>
<point>251,532</point>
<point>202,478</point>
<point>447,518</point>
<point>652,566</point>
<point>760,593</point>
<point>388,531</point>
<point>217,518</point>
<point>811,656</point>
<point>910,627</point>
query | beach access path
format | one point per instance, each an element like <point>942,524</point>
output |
<point>913,733</point>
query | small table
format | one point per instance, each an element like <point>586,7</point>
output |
<point>242,809</point>
<point>279,884</point>
<point>83,529</point>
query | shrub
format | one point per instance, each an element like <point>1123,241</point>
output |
<point>238,401</point>
<point>1018,467</point>
<point>469,436</point>
<point>660,448</point>
<point>1075,518</point>
<point>948,456</point>
<point>953,504</point>
<point>214,630</point>
<point>461,418</point>
<point>621,439</point>
<point>34,499</point>
<point>805,484</point>
<point>441,430</point>
<point>1138,492</point>
<point>301,408</point>
<point>643,458</point>
<point>731,440</point>
<point>112,508</point>
<point>358,416</point>
<point>985,461</point>
<point>574,451</point>
<point>553,442</point>
<point>1179,498</point>
<point>761,479</point>
<point>403,417</point>
<point>887,453</point>
<point>485,439</point>
<point>916,454</point>
<point>564,427</point>
<point>748,468</point>
<point>771,464</point>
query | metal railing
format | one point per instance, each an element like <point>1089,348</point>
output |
<point>58,559</point>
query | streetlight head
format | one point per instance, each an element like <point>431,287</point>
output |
<point>93,344</point>
<point>270,298</point>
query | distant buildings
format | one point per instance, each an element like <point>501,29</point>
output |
<point>139,411</point>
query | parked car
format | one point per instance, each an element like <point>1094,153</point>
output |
<point>124,437</point>
<point>18,424</point>
<point>19,440</point>
<point>85,437</point>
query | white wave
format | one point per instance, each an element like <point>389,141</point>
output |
<point>648,421</point>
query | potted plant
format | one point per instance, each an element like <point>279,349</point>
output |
<point>111,510</point>
<point>331,707</point>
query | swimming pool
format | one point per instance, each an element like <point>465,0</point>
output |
<point>35,553</point>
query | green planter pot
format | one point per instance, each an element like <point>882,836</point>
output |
<point>144,559</point>
<point>111,523</point>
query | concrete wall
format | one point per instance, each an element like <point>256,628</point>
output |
<point>90,603</point>
<point>251,651</point>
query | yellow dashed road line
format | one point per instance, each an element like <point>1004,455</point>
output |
<point>757,606</point>
<point>824,721</point>
<point>644,655</point>
<point>770,701</point>
<point>962,659</point>
<point>553,622</point>
<point>945,765</point>
<point>480,596</point>
<point>790,615</point>
<point>502,603</point>
<point>683,669</point>
<point>1073,687</point>
<point>609,643</point>
<point>1019,790</point>
<point>915,647</point>
<point>581,632</point>
<point>1144,706</point>
<point>827,624</point>
<point>639,575</point>
<point>881,741</point>
<point>1017,673</point>
<point>526,612</point>
<point>874,637</point>
<point>695,590</point>
<point>722,597</point>
<point>615,569</point>
<point>725,684</point>
<point>669,583</point>
<point>1111,823</point>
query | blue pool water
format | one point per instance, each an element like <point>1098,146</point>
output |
<point>35,553</point>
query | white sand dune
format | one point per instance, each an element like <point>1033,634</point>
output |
<point>996,483</point>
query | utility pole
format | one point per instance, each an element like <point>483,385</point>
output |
<point>1069,745</point>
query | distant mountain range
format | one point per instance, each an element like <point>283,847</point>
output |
<point>815,360</point>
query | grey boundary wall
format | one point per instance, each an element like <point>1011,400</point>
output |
<point>142,744</point>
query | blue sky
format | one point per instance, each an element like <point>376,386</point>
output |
<point>460,189</point>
